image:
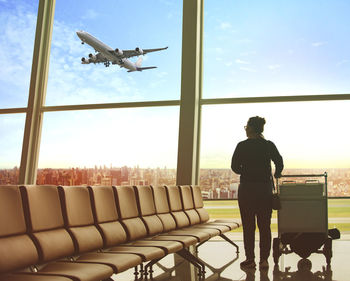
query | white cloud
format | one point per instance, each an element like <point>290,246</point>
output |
<point>274,66</point>
<point>318,44</point>
<point>166,2</point>
<point>90,14</point>
<point>248,69</point>
<point>248,53</point>
<point>342,62</point>
<point>245,40</point>
<point>239,61</point>
<point>162,74</point>
<point>219,50</point>
<point>225,25</point>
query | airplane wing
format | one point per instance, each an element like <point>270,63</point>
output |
<point>137,52</point>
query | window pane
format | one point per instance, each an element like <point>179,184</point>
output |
<point>11,137</point>
<point>124,25</point>
<point>119,146</point>
<point>312,137</point>
<point>17,29</point>
<point>276,48</point>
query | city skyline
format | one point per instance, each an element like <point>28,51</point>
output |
<point>215,183</point>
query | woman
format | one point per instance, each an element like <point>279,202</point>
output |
<point>252,160</point>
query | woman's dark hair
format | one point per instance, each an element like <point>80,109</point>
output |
<point>257,124</point>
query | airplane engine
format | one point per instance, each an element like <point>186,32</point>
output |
<point>85,61</point>
<point>92,57</point>
<point>119,52</point>
<point>139,50</point>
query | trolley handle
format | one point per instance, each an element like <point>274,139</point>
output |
<point>303,176</point>
<point>308,181</point>
<point>289,182</point>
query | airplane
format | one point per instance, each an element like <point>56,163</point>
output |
<point>107,55</point>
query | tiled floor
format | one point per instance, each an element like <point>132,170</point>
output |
<point>222,263</point>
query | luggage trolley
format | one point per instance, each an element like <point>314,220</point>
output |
<point>303,218</point>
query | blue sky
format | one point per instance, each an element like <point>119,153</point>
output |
<point>251,48</point>
<point>264,48</point>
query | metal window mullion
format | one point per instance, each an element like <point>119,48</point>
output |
<point>187,162</point>
<point>299,98</point>
<point>199,121</point>
<point>37,92</point>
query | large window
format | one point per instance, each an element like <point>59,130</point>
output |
<point>276,48</point>
<point>11,136</point>
<point>309,135</point>
<point>112,145</point>
<point>124,25</point>
<point>17,29</point>
<point>110,140</point>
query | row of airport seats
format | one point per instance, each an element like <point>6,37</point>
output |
<point>82,233</point>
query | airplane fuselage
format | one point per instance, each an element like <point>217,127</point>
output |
<point>105,50</point>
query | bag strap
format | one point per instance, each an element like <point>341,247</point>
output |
<point>273,184</point>
<point>271,177</point>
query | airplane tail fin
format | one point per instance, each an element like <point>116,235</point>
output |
<point>138,65</point>
<point>139,62</point>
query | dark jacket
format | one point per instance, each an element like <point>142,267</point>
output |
<point>252,160</point>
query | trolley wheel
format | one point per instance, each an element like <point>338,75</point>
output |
<point>327,250</point>
<point>276,250</point>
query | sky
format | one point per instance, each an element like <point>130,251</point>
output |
<point>251,48</point>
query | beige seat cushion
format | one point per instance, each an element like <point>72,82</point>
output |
<point>33,277</point>
<point>118,261</point>
<point>46,223</point>
<point>79,218</point>
<point>80,271</point>
<point>185,240</point>
<point>146,253</point>
<point>17,250</point>
<point>200,235</point>
<point>105,209</point>
<point>168,246</point>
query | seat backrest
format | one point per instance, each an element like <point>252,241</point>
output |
<point>144,196</point>
<point>79,220</point>
<point>176,208</point>
<point>106,215</point>
<point>45,222</point>
<point>129,214</point>
<point>17,250</point>
<point>198,203</point>
<point>162,207</point>
<point>188,204</point>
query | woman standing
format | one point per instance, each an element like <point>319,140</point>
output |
<point>252,160</point>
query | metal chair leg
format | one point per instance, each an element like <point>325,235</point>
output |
<point>193,260</point>
<point>136,273</point>
<point>230,241</point>
<point>149,268</point>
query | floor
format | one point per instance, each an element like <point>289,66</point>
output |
<point>222,263</point>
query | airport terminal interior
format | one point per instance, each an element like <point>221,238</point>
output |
<point>110,170</point>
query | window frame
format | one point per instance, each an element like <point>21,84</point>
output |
<point>190,103</point>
